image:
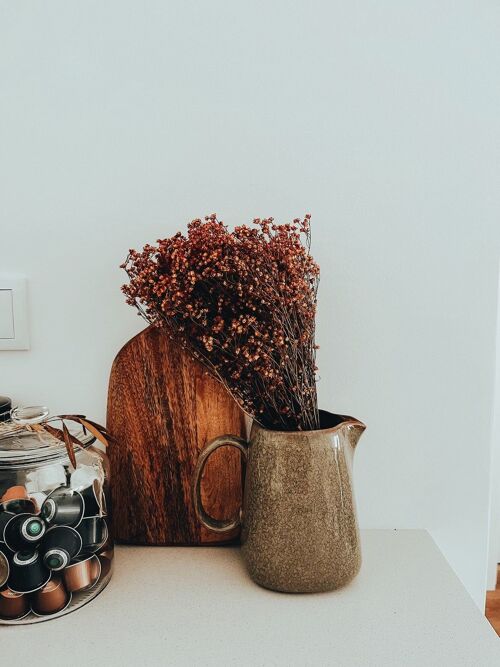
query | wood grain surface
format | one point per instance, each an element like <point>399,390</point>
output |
<point>162,409</point>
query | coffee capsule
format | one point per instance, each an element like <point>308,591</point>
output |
<point>17,501</point>
<point>20,506</point>
<point>4,567</point>
<point>106,560</point>
<point>59,546</point>
<point>94,533</point>
<point>82,574</point>
<point>14,493</point>
<point>38,499</point>
<point>27,573</point>
<point>5,517</point>
<point>63,507</point>
<point>95,570</point>
<point>13,605</point>
<point>23,531</point>
<point>50,599</point>
<point>92,497</point>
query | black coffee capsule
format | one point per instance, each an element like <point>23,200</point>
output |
<point>23,531</point>
<point>59,546</point>
<point>5,517</point>
<point>94,533</point>
<point>27,572</point>
<point>19,506</point>
<point>63,507</point>
<point>91,496</point>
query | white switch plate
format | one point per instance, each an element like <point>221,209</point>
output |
<point>13,313</point>
<point>6,314</point>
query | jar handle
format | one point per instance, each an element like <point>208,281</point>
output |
<point>216,525</point>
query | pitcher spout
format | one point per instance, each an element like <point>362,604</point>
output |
<point>346,427</point>
<point>351,429</point>
<point>356,429</point>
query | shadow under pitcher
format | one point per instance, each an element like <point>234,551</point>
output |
<point>299,531</point>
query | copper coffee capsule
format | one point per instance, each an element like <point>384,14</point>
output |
<point>50,599</point>
<point>15,493</point>
<point>23,531</point>
<point>82,574</point>
<point>13,605</point>
<point>63,507</point>
<point>27,572</point>
<point>4,567</point>
<point>95,569</point>
<point>59,546</point>
<point>106,560</point>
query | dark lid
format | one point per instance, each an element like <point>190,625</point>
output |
<point>5,408</point>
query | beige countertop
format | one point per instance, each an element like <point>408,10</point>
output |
<point>197,606</point>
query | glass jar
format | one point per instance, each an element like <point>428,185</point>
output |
<point>56,550</point>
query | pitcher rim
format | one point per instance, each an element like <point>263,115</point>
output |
<point>346,420</point>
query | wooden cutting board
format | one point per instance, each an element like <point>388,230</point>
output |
<point>162,409</point>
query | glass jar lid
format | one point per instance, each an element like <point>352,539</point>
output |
<point>21,444</point>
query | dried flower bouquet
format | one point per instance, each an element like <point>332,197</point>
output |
<point>244,304</point>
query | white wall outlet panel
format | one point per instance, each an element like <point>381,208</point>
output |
<point>14,333</point>
<point>6,314</point>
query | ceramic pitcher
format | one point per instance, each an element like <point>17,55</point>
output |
<point>299,530</point>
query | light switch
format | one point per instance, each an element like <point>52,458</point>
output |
<point>6,314</point>
<point>13,313</point>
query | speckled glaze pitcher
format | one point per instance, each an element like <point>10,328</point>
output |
<point>299,531</point>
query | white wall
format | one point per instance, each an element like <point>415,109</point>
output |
<point>494,515</point>
<point>122,120</point>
